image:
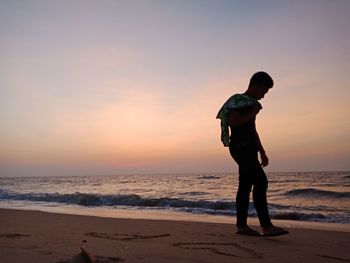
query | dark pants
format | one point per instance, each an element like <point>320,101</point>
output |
<point>250,174</point>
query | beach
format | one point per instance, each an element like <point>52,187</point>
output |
<point>34,236</point>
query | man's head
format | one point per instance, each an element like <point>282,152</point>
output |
<point>259,85</point>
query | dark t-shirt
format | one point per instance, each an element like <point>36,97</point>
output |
<point>245,134</point>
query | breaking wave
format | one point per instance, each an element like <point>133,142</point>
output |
<point>85,199</point>
<point>312,192</point>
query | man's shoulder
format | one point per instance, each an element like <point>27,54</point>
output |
<point>238,101</point>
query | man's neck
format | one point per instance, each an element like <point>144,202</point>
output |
<point>250,93</point>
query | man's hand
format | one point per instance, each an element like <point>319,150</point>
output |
<point>264,159</point>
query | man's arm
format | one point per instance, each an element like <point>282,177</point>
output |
<point>263,156</point>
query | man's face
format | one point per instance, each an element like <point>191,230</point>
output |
<point>260,92</point>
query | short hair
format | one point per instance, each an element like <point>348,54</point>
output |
<point>261,79</point>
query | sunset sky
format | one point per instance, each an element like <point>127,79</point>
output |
<point>119,87</point>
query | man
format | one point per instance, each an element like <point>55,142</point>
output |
<point>239,114</point>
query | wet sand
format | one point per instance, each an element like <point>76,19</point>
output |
<point>32,236</point>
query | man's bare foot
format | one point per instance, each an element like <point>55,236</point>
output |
<point>246,230</point>
<point>272,231</point>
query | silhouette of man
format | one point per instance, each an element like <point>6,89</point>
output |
<point>238,115</point>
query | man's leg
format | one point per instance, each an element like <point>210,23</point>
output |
<point>243,157</point>
<point>259,197</point>
<point>260,203</point>
<point>242,203</point>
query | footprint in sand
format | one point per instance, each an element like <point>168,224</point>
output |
<point>124,237</point>
<point>224,249</point>
<point>13,235</point>
<point>334,258</point>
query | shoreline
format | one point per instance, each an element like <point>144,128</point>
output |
<point>165,215</point>
<point>52,237</point>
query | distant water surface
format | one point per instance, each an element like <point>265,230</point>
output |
<point>311,196</point>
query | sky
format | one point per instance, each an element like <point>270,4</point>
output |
<point>121,87</point>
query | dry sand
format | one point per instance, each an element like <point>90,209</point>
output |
<point>32,236</point>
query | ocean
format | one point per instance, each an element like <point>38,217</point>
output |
<point>302,196</point>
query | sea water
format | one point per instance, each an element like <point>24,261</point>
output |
<point>306,196</point>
